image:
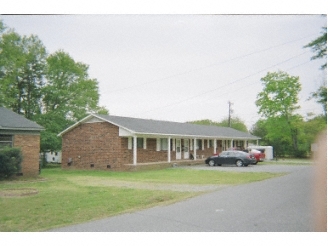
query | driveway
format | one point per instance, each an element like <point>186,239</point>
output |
<point>279,204</point>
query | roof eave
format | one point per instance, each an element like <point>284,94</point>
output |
<point>114,123</point>
<point>195,136</point>
<point>75,125</point>
<point>22,129</point>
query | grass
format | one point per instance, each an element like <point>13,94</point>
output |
<point>61,200</point>
<point>288,161</point>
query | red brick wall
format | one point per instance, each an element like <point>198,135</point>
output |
<point>92,143</point>
<point>150,154</point>
<point>206,152</point>
<point>99,144</point>
<point>30,146</point>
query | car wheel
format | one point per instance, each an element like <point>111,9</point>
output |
<point>239,163</point>
<point>211,163</point>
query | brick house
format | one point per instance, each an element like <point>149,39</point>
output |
<point>17,131</point>
<point>114,142</point>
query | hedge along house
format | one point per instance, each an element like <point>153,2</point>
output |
<point>105,141</point>
<point>17,131</point>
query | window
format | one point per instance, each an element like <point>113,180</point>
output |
<point>6,140</point>
<point>164,144</point>
<point>140,143</point>
<point>199,144</point>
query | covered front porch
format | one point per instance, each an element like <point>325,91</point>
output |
<point>179,148</point>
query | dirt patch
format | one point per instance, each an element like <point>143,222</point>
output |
<point>93,181</point>
<point>18,192</point>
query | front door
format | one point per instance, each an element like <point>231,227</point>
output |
<point>178,149</point>
<point>186,149</point>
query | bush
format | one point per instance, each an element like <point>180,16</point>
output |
<point>300,153</point>
<point>10,162</point>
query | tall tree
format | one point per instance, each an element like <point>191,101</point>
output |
<point>22,63</point>
<point>319,47</point>
<point>321,96</point>
<point>278,102</point>
<point>55,91</point>
<point>69,89</point>
<point>68,95</point>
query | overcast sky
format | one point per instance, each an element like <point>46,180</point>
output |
<point>184,67</point>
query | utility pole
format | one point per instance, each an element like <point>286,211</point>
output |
<point>230,112</point>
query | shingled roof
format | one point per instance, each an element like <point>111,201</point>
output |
<point>168,128</point>
<point>10,120</point>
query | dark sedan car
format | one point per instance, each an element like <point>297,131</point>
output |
<point>239,158</point>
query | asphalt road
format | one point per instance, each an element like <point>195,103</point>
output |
<point>281,204</point>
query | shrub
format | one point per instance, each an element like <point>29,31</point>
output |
<point>10,162</point>
<point>300,153</point>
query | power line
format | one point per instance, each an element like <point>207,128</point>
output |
<point>233,82</point>
<point>205,67</point>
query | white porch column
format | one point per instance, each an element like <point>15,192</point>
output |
<point>257,142</point>
<point>214,150</point>
<point>169,149</point>
<point>231,145</point>
<point>195,152</point>
<point>134,150</point>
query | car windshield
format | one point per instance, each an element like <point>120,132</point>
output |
<point>224,153</point>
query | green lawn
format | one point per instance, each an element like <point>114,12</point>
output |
<point>288,161</point>
<point>70,197</point>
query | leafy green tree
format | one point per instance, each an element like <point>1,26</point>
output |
<point>2,26</point>
<point>321,96</point>
<point>69,90</point>
<point>259,129</point>
<point>236,123</point>
<point>22,63</point>
<point>68,95</point>
<point>205,122</point>
<point>277,103</point>
<point>55,91</point>
<point>319,47</point>
<point>313,127</point>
